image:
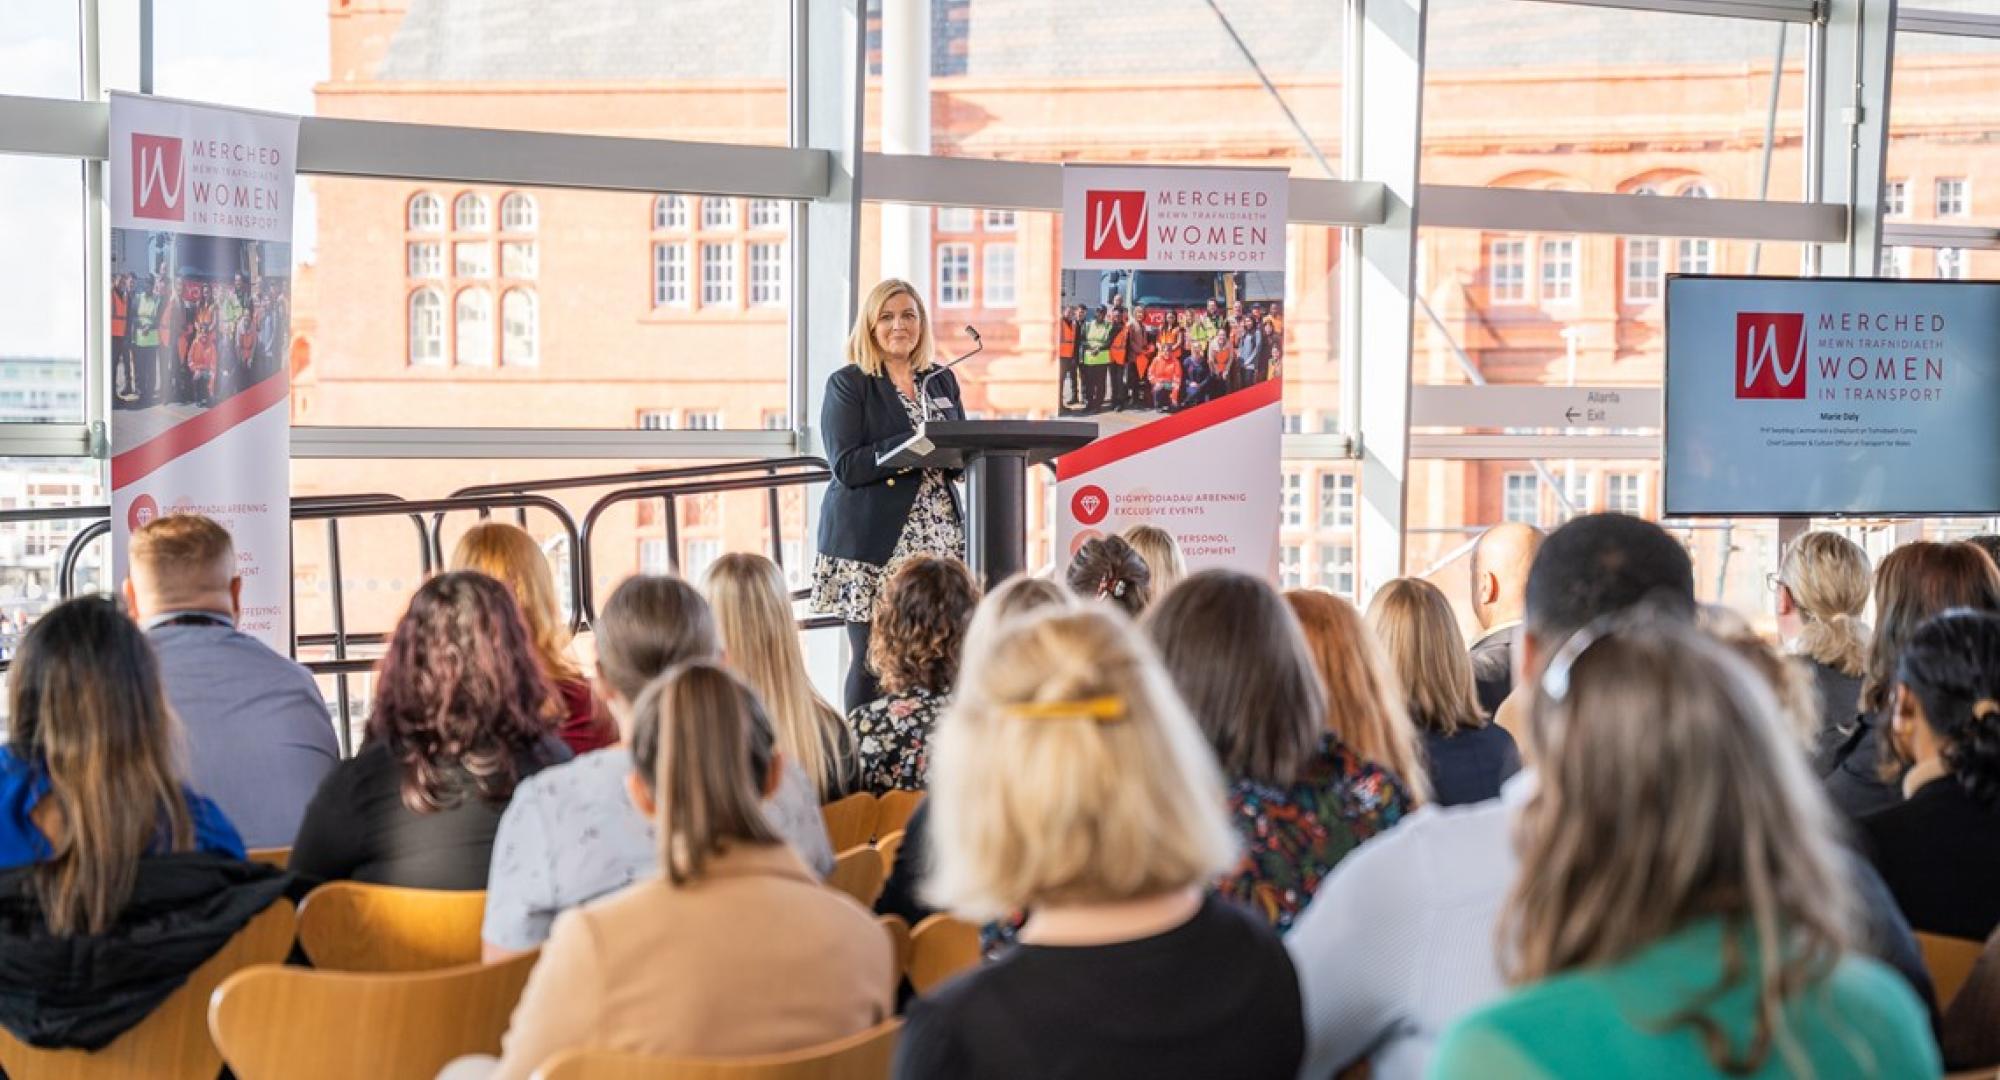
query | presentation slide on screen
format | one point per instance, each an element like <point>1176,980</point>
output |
<point>1832,397</point>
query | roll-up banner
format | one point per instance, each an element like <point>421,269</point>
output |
<point>1173,305</point>
<point>201,296</point>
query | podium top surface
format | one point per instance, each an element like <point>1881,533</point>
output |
<point>949,444</point>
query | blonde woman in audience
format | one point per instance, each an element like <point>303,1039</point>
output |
<point>1822,588</point>
<point>570,835</point>
<point>509,555</point>
<point>1789,678</point>
<point>1106,826</point>
<point>1469,757</point>
<point>1162,554</point>
<point>735,948</point>
<point>1364,706</point>
<point>760,642</point>
<point>1682,907</point>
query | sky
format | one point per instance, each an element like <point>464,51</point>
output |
<point>264,54</point>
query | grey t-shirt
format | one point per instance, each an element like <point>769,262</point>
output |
<point>259,737</point>
<point>572,835</point>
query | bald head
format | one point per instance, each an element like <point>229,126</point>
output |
<point>1500,563</point>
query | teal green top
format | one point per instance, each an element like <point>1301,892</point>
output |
<point>1861,1021</point>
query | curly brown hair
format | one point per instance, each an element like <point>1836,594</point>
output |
<point>920,624</point>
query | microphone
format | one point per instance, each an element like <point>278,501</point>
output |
<point>924,387</point>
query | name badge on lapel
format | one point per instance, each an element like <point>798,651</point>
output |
<point>942,405</point>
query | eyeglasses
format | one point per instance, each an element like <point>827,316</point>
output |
<point>1773,582</point>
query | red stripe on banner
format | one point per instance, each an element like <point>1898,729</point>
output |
<point>189,435</point>
<point>1125,444</point>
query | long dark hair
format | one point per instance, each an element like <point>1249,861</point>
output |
<point>703,746</point>
<point>1952,665</point>
<point>460,690</point>
<point>86,707</point>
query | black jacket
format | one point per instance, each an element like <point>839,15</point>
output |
<point>866,505</point>
<point>85,991</point>
<point>1493,667</point>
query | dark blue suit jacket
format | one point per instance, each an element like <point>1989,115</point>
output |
<point>866,505</point>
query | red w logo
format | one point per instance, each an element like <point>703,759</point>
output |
<point>1770,355</point>
<point>157,179</point>
<point>1116,222</point>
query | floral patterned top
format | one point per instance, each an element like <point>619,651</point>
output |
<point>1294,836</point>
<point>848,588</point>
<point>892,737</point>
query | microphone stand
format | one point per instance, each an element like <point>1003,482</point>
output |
<point>924,387</point>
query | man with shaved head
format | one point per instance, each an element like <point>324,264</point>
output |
<point>1500,562</point>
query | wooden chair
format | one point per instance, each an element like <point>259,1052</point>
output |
<point>899,936</point>
<point>887,847</point>
<point>863,1056</point>
<point>941,947</point>
<point>349,926</point>
<point>858,872</point>
<point>850,821</point>
<point>280,857</point>
<point>896,809</point>
<point>289,1023</point>
<point>172,1043</point>
<point>1950,961</point>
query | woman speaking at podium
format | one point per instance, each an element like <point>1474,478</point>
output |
<point>874,519</point>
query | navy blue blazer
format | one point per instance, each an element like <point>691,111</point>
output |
<point>866,505</point>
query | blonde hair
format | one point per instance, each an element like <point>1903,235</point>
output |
<point>1828,576</point>
<point>862,349</point>
<point>1364,706</point>
<point>703,746</point>
<point>760,640</point>
<point>1014,597</point>
<point>1090,807</point>
<point>1162,554</point>
<point>1791,683</point>
<point>1420,635</point>
<point>184,553</point>
<point>508,554</point>
<point>1667,792</point>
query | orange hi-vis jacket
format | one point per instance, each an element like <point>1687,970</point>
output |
<point>1121,345</point>
<point>1068,350</point>
<point>118,303</point>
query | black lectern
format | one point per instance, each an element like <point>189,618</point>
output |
<point>995,455</point>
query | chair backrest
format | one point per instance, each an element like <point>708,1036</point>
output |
<point>280,857</point>
<point>886,848</point>
<point>1950,962</point>
<point>290,1023</point>
<point>850,821</point>
<point>896,809</point>
<point>859,873</point>
<point>941,947</point>
<point>863,1056</point>
<point>349,926</point>
<point>172,1043</point>
<point>899,936</point>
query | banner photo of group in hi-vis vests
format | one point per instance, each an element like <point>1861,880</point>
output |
<point>201,298</point>
<point>1172,338</point>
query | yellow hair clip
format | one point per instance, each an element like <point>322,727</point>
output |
<point>1105,710</point>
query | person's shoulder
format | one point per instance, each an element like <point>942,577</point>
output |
<point>1869,996</point>
<point>848,375</point>
<point>1240,930</point>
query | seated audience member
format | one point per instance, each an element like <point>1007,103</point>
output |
<point>1789,678</point>
<point>510,556</point>
<point>1682,906</point>
<point>116,879</point>
<point>1468,757</point>
<point>1300,798</point>
<point>1417,908</point>
<point>460,717</point>
<point>735,948</point>
<point>1106,826</point>
<point>1111,570</point>
<point>760,642</point>
<point>1822,587</point>
<point>919,631</point>
<point>1500,562</point>
<point>1364,707</point>
<point>570,834</point>
<point>258,734</point>
<point>1014,598</point>
<point>1988,543</point>
<point>1939,850</point>
<point>1915,582</point>
<point>1162,554</point>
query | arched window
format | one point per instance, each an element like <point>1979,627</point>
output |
<point>426,213</point>
<point>517,212</point>
<point>474,331</point>
<point>1697,190</point>
<point>718,212</point>
<point>470,212</point>
<point>670,212</point>
<point>519,341</point>
<point>426,328</point>
<point>1695,255</point>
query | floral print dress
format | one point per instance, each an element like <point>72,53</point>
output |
<point>892,737</point>
<point>848,587</point>
<point>1294,836</point>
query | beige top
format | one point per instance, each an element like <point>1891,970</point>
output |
<point>757,957</point>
